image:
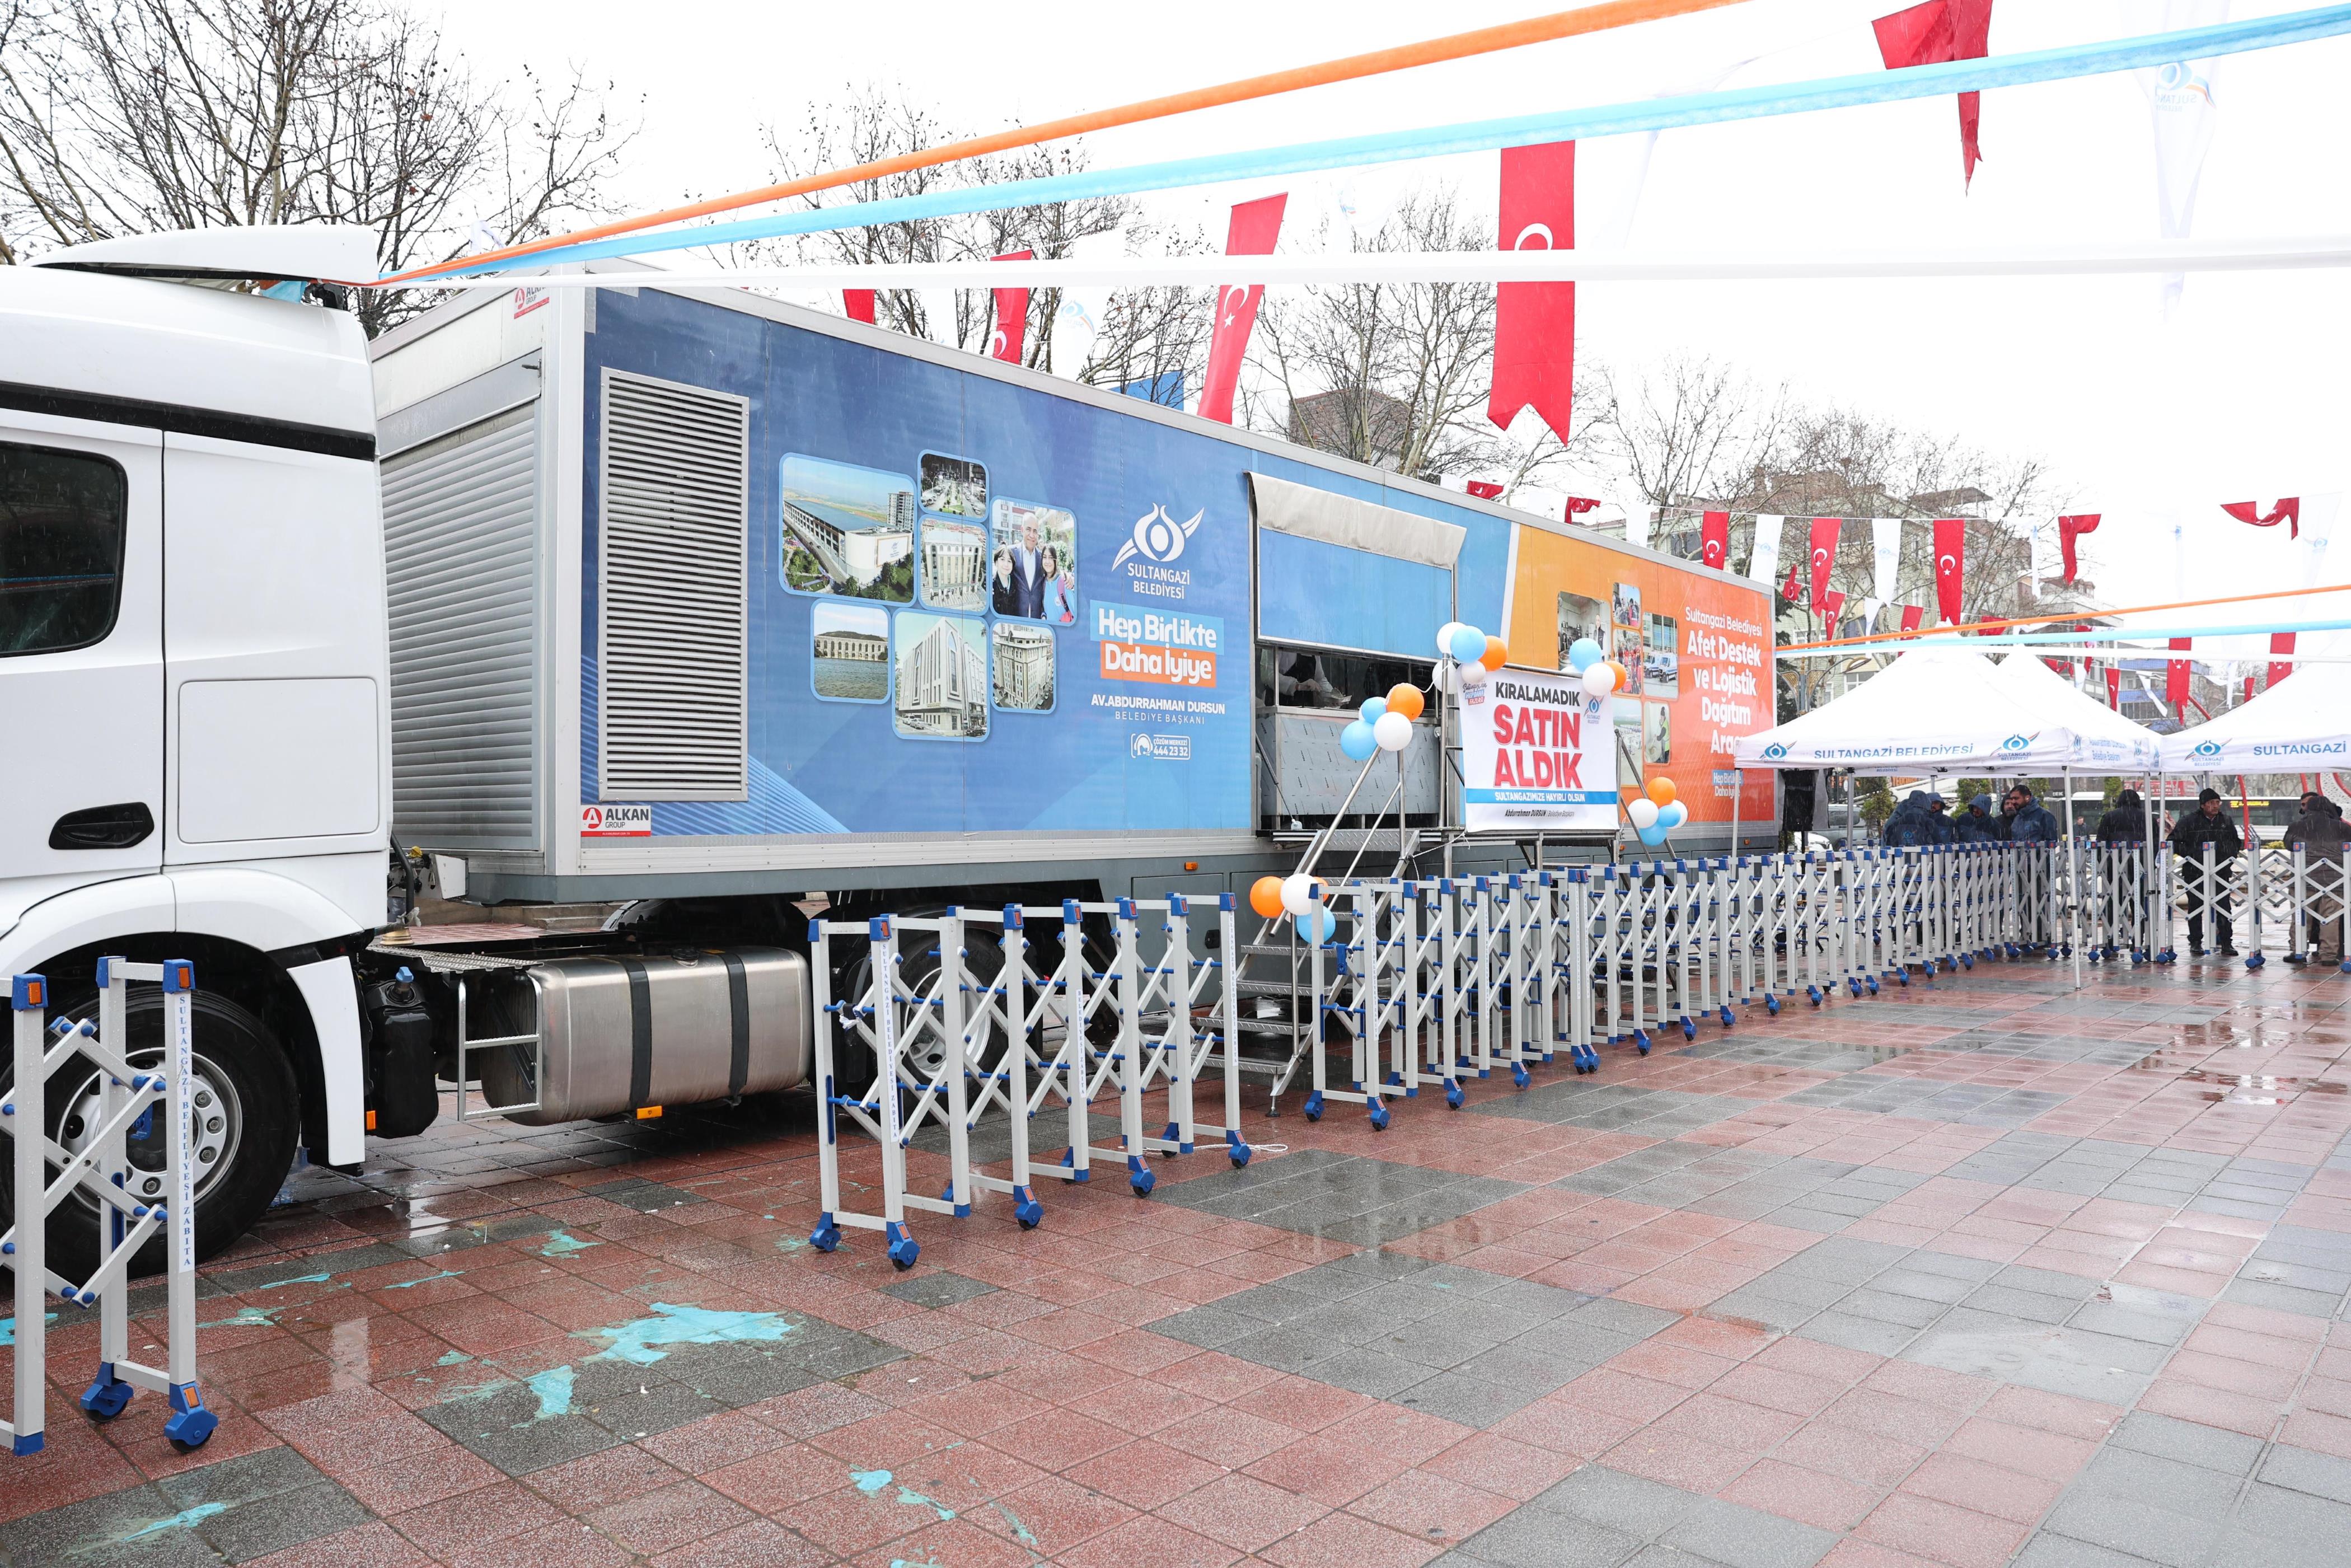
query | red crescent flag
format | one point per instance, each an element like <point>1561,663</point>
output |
<point>1484,489</point>
<point>2287,511</point>
<point>1578,505</point>
<point>1714,546</point>
<point>2114,687</point>
<point>1831,605</point>
<point>1254,228</point>
<point>1931,34</point>
<point>1950,566</point>
<point>1795,589</point>
<point>2175,679</point>
<point>1913,617</point>
<point>1824,543</point>
<point>1011,315</point>
<point>2068,531</point>
<point>2280,642</point>
<point>857,304</point>
<point>1534,323</point>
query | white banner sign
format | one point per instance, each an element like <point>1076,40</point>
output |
<point>1537,755</point>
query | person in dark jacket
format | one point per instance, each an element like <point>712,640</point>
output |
<point>1906,828</point>
<point>2319,833</point>
<point>1975,823</point>
<point>2025,820</point>
<point>2125,821</point>
<point>1938,823</point>
<point>2208,824</point>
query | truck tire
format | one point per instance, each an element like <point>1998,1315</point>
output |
<point>918,966</point>
<point>249,1113</point>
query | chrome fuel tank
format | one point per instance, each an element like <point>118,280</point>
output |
<point>623,1034</point>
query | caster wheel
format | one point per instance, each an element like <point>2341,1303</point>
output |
<point>1313,1106</point>
<point>190,1424</point>
<point>1029,1214</point>
<point>825,1237</point>
<point>2255,962</point>
<point>1730,1020</point>
<point>1379,1118</point>
<point>1873,985</point>
<point>1772,1005</point>
<point>902,1253</point>
<point>1452,1095</point>
<point>1689,1029</point>
<point>1519,1073</point>
<point>1903,978</point>
<point>1641,1041</point>
<point>1142,1181</point>
<point>104,1399</point>
<point>1814,992</point>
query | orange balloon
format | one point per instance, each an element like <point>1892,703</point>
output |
<point>1620,672</point>
<point>1497,655</point>
<point>1661,790</point>
<point>1406,700</point>
<point>1265,896</point>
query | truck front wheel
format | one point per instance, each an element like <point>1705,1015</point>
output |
<point>248,1121</point>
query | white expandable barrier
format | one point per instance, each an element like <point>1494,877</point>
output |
<point>129,1098</point>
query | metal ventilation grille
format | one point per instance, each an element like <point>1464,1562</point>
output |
<point>460,538</point>
<point>673,662</point>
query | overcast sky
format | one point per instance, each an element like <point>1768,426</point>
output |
<point>2242,394</point>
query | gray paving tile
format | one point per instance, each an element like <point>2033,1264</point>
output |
<point>2133,1528</point>
<point>2159,1482</point>
<point>1472,1401</point>
<point>2190,1442</point>
<point>938,1288</point>
<point>2056,1360</point>
<point>1343,1197</point>
<point>1634,1504</point>
<point>2047,1551</point>
<point>1741,1537</point>
<point>2305,1470</point>
<point>1533,1537</point>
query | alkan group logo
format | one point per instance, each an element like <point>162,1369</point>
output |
<point>1149,558</point>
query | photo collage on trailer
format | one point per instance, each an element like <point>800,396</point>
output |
<point>933,596</point>
<point>1645,646</point>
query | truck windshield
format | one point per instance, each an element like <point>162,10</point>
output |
<point>61,526</point>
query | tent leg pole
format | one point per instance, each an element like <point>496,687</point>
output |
<point>2073,878</point>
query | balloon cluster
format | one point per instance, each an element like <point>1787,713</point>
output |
<point>1298,895</point>
<point>1474,655</point>
<point>1386,724</point>
<point>1655,812</point>
<point>1601,675</point>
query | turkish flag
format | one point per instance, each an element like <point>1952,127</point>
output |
<point>857,304</point>
<point>2114,687</point>
<point>1824,543</point>
<point>1930,34</point>
<point>1578,505</point>
<point>2068,531</point>
<point>1950,567</point>
<point>1831,605</point>
<point>1011,315</point>
<point>1714,541</point>
<point>1534,323</point>
<point>2175,679</point>
<point>1913,616</point>
<point>2288,511</point>
<point>2280,642</point>
<point>1795,590</point>
<point>1254,228</point>
<point>1484,489</point>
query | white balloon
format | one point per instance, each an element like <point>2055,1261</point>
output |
<point>1445,639</point>
<point>1472,675</point>
<point>1393,732</point>
<point>1295,890</point>
<point>1642,812</point>
<point>1599,681</point>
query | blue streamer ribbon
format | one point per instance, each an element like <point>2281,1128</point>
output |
<point>2096,634</point>
<point>1580,124</point>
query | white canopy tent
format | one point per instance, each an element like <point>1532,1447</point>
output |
<point>2103,740</point>
<point>1932,711</point>
<point>2301,725</point>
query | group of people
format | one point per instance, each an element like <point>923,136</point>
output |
<point>2318,830</point>
<point>1924,818</point>
<point>1029,581</point>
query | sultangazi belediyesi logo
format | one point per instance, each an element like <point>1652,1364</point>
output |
<point>1158,538</point>
<point>1774,752</point>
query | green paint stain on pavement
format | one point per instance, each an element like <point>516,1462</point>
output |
<point>553,1387</point>
<point>299,1280</point>
<point>913,1499</point>
<point>452,1358</point>
<point>411,1284</point>
<point>8,1327</point>
<point>249,1318</point>
<point>186,1519</point>
<point>1020,1531</point>
<point>870,1481</point>
<point>641,1341</point>
<point>563,1244</point>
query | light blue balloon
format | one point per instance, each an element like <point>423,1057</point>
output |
<point>1373,708</point>
<point>1316,925</point>
<point>1469,644</point>
<point>1582,653</point>
<point>1358,741</point>
<point>1656,833</point>
<point>1673,814</point>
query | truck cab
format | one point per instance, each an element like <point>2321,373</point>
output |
<point>193,671</point>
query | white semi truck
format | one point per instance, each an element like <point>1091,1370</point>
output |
<point>684,599</point>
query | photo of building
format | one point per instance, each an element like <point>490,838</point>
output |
<point>1024,666</point>
<point>849,644</point>
<point>942,677</point>
<point>1661,660</point>
<point>955,565</point>
<point>847,531</point>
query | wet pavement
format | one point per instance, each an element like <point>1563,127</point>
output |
<point>1992,1270</point>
